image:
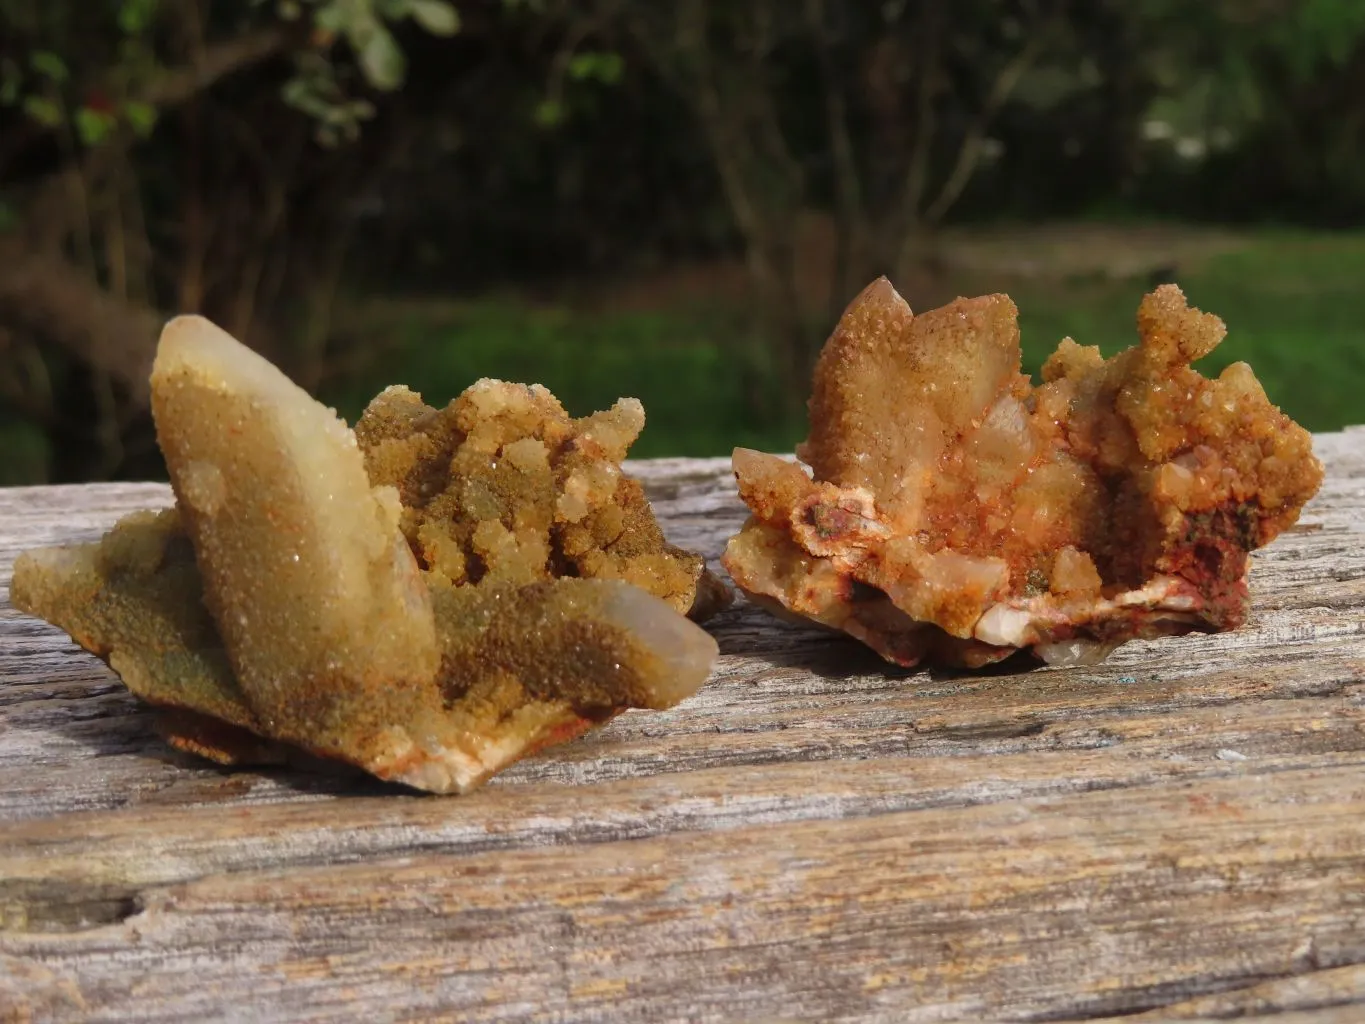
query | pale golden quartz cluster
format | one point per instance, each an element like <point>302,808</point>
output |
<point>503,486</point>
<point>953,512</point>
<point>454,591</point>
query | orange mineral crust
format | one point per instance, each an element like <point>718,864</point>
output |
<point>953,512</point>
<point>291,602</point>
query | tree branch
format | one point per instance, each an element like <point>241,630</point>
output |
<point>969,155</point>
<point>43,211</point>
<point>848,193</point>
<point>926,123</point>
<point>695,84</point>
<point>177,85</point>
<point>763,108</point>
<point>48,297</point>
<point>52,297</point>
<point>558,74</point>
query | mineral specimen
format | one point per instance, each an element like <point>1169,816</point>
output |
<point>503,485</point>
<point>280,602</point>
<point>954,512</point>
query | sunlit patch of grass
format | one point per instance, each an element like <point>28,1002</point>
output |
<point>1295,309</point>
<point>696,371</point>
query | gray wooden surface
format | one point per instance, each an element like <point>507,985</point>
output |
<point>1176,834</point>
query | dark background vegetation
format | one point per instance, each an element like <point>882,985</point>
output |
<point>671,200</point>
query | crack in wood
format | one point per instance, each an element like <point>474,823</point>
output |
<point>64,905</point>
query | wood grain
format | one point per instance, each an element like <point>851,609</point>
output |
<point>1177,833</point>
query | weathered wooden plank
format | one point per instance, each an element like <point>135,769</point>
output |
<point>174,839</point>
<point>1332,994</point>
<point>62,706</point>
<point>1117,899</point>
<point>750,714</point>
<point>810,837</point>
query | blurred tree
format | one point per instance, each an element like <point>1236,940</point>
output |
<point>207,155</point>
<point>884,113</point>
<point>1225,63</point>
<point>883,108</point>
<point>1267,99</point>
<point>507,182</point>
<point>1231,110</point>
<point>97,98</point>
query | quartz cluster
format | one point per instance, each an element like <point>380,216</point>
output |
<point>431,601</point>
<point>951,511</point>
<point>503,486</point>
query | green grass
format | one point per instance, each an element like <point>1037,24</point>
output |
<point>23,453</point>
<point>1293,301</point>
<point>1295,309</point>
<point>696,371</point>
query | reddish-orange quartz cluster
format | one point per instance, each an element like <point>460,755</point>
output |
<point>954,512</point>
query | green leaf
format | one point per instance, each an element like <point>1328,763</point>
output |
<point>436,16</point>
<point>333,17</point>
<point>93,126</point>
<point>141,117</point>
<point>49,65</point>
<point>603,67</point>
<point>294,92</point>
<point>11,78</point>
<point>134,16</point>
<point>43,110</point>
<point>382,61</point>
<point>549,113</point>
<point>304,97</point>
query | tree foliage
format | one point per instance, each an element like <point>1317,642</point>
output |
<point>115,117</point>
<point>226,155</point>
<point>882,111</point>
